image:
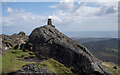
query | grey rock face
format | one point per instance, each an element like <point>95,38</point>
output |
<point>48,41</point>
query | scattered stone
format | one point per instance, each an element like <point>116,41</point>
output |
<point>32,69</point>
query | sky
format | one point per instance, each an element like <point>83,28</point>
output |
<point>66,16</point>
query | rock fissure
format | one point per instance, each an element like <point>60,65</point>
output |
<point>49,40</point>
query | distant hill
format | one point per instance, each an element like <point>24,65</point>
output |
<point>105,49</point>
<point>103,34</point>
<point>89,39</point>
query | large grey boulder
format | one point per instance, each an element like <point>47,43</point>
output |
<point>49,42</point>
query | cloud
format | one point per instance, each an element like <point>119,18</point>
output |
<point>66,4</point>
<point>98,0</point>
<point>83,16</point>
<point>108,9</point>
<point>21,17</point>
<point>53,6</point>
<point>9,10</point>
<point>82,12</point>
<point>14,11</point>
<point>22,21</point>
<point>67,0</point>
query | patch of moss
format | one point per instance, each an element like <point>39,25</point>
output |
<point>31,53</point>
<point>10,39</point>
<point>43,57</point>
<point>25,50</point>
<point>5,42</point>
<point>55,66</point>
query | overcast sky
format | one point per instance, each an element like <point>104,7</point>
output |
<point>67,16</point>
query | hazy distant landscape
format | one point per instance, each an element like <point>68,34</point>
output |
<point>93,34</point>
<point>102,44</point>
<point>105,49</point>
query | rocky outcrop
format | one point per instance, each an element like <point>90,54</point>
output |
<point>49,42</point>
<point>32,69</point>
<point>14,40</point>
<point>21,33</point>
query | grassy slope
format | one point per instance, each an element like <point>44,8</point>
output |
<point>109,67</point>
<point>55,66</point>
<point>104,50</point>
<point>11,62</point>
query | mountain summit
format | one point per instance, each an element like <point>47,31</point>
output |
<point>47,41</point>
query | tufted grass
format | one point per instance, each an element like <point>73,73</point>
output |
<point>10,60</point>
<point>56,67</point>
<point>5,42</point>
<point>109,67</point>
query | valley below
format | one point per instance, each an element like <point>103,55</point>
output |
<point>105,49</point>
